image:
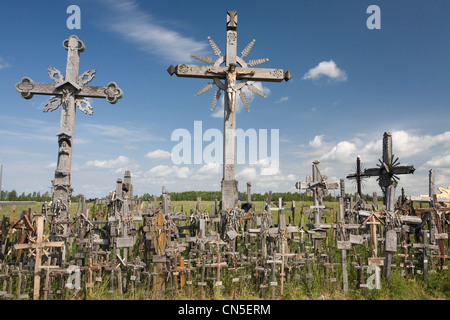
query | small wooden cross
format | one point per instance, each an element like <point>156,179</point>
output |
<point>39,244</point>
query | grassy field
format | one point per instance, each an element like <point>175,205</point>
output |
<point>399,287</point>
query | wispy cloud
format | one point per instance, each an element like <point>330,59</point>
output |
<point>143,29</point>
<point>282,99</point>
<point>109,164</point>
<point>328,69</point>
<point>4,64</point>
<point>128,133</point>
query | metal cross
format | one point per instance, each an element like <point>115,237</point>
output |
<point>69,92</point>
<point>234,70</point>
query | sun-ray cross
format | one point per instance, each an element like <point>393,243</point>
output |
<point>237,74</point>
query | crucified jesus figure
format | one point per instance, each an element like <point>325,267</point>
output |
<point>231,75</point>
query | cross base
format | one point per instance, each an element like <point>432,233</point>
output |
<point>229,194</point>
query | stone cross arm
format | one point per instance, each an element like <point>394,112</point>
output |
<point>27,88</point>
<point>254,74</point>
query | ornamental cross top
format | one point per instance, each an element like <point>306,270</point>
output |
<point>69,92</point>
<point>237,74</point>
<point>386,171</point>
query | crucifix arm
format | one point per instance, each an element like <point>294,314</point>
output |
<point>205,72</point>
<point>215,71</point>
<point>252,72</point>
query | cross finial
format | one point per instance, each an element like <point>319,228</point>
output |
<point>231,20</point>
<point>74,43</point>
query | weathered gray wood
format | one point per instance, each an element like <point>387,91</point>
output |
<point>231,73</point>
<point>70,92</point>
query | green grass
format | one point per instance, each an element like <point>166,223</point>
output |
<point>399,287</point>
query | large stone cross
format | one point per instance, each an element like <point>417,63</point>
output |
<point>387,172</point>
<point>236,73</point>
<point>69,92</point>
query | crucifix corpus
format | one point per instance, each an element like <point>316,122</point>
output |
<point>236,78</point>
<point>69,92</point>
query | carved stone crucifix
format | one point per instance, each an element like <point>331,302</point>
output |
<point>69,92</point>
<point>231,73</point>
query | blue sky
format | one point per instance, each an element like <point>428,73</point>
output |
<point>349,85</point>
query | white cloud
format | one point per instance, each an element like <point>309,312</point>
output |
<point>166,171</point>
<point>208,171</point>
<point>442,161</point>
<point>343,152</point>
<point>317,141</point>
<point>408,144</point>
<point>144,30</point>
<point>248,173</point>
<point>158,155</point>
<point>328,69</point>
<point>120,162</point>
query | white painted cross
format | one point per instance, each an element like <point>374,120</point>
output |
<point>234,70</point>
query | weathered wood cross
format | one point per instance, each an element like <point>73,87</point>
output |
<point>386,172</point>
<point>231,73</point>
<point>38,245</point>
<point>69,92</point>
<point>317,185</point>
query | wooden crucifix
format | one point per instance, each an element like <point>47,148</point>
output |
<point>69,92</point>
<point>317,186</point>
<point>387,172</point>
<point>236,77</point>
<point>38,245</point>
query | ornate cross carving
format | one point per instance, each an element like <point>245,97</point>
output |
<point>236,73</point>
<point>69,92</point>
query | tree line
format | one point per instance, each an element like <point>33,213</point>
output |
<point>13,195</point>
<point>212,195</point>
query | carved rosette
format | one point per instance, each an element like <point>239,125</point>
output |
<point>278,73</point>
<point>182,68</point>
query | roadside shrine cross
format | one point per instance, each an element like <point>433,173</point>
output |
<point>387,172</point>
<point>38,245</point>
<point>69,92</point>
<point>237,73</point>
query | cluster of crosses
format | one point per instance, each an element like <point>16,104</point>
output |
<point>164,250</point>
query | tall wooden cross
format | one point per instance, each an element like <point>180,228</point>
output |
<point>236,73</point>
<point>69,92</point>
<point>387,172</point>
